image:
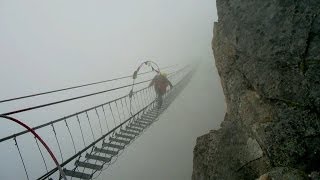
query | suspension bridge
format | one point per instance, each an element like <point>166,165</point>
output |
<point>91,149</point>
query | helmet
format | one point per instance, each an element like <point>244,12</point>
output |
<point>163,74</point>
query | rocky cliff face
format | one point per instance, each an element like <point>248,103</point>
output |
<point>268,57</point>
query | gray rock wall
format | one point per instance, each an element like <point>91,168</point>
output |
<point>268,58</point>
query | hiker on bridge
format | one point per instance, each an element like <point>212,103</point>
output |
<point>160,83</point>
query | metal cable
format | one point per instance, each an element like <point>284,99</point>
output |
<point>144,98</point>
<point>141,98</point>
<point>75,87</point>
<point>124,115</point>
<point>84,168</point>
<point>114,119</point>
<point>137,102</point>
<point>147,95</point>
<point>94,154</point>
<point>151,94</point>
<point>76,166</point>
<point>67,100</point>
<point>74,146</point>
<point>84,143</point>
<point>118,111</point>
<point>105,117</point>
<point>55,135</point>
<point>127,106</point>
<point>24,166</point>
<point>128,121</point>
<point>131,108</point>
<point>99,120</point>
<point>94,138</point>
<point>44,161</point>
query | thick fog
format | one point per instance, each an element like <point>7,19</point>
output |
<point>165,150</point>
<point>47,45</point>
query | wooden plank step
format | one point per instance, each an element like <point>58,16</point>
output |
<point>129,132</point>
<point>112,145</point>
<point>98,158</point>
<point>88,165</point>
<point>149,115</point>
<point>149,118</point>
<point>133,129</point>
<point>141,124</point>
<point>106,151</point>
<point>77,174</point>
<point>153,112</point>
<point>144,121</point>
<point>119,140</point>
<point>126,136</point>
<point>135,125</point>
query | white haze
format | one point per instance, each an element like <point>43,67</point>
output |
<point>46,45</point>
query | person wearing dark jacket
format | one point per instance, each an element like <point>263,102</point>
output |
<point>160,83</point>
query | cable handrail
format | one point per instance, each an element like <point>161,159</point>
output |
<point>93,143</point>
<point>104,136</point>
<point>67,100</point>
<point>75,98</point>
<point>77,113</point>
<point>75,87</point>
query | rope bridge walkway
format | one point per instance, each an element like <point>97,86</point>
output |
<point>92,149</point>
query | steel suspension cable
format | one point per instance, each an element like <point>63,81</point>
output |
<point>44,161</point>
<point>99,120</point>
<point>67,100</point>
<point>124,115</point>
<point>111,110</point>
<point>24,165</point>
<point>105,117</point>
<point>137,100</point>
<point>74,146</point>
<point>134,118</point>
<point>144,100</point>
<point>114,119</point>
<point>40,139</point>
<point>84,143</point>
<point>90,126</point>
<point>55,135</point>
<point>118,112</point>
<point>125,101</point>
<point>77,86</point>
<point>75,98</point>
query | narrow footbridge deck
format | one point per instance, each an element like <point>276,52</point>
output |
<point>95,137</point>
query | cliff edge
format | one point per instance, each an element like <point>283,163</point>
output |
<point>268,57</point>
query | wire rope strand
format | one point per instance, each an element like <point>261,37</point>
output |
<point>127,107</point>
<point>44,161</point>
<point>105,117</point>
<point>94,138</point>
<point>99,120</point>
<point>84,143</point>
<point>74,146</point>
<point>137,103</point>
<point>55,135</point>
<point>67,100</point>
<point>24,165</point>
<point>114,119</point>
<point>118,112</point>
<point>124,115</point>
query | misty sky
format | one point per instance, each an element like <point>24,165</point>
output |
<point>89,40</point>
<point>47,45</point>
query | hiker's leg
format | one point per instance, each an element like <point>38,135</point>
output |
<point>160,101</point>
